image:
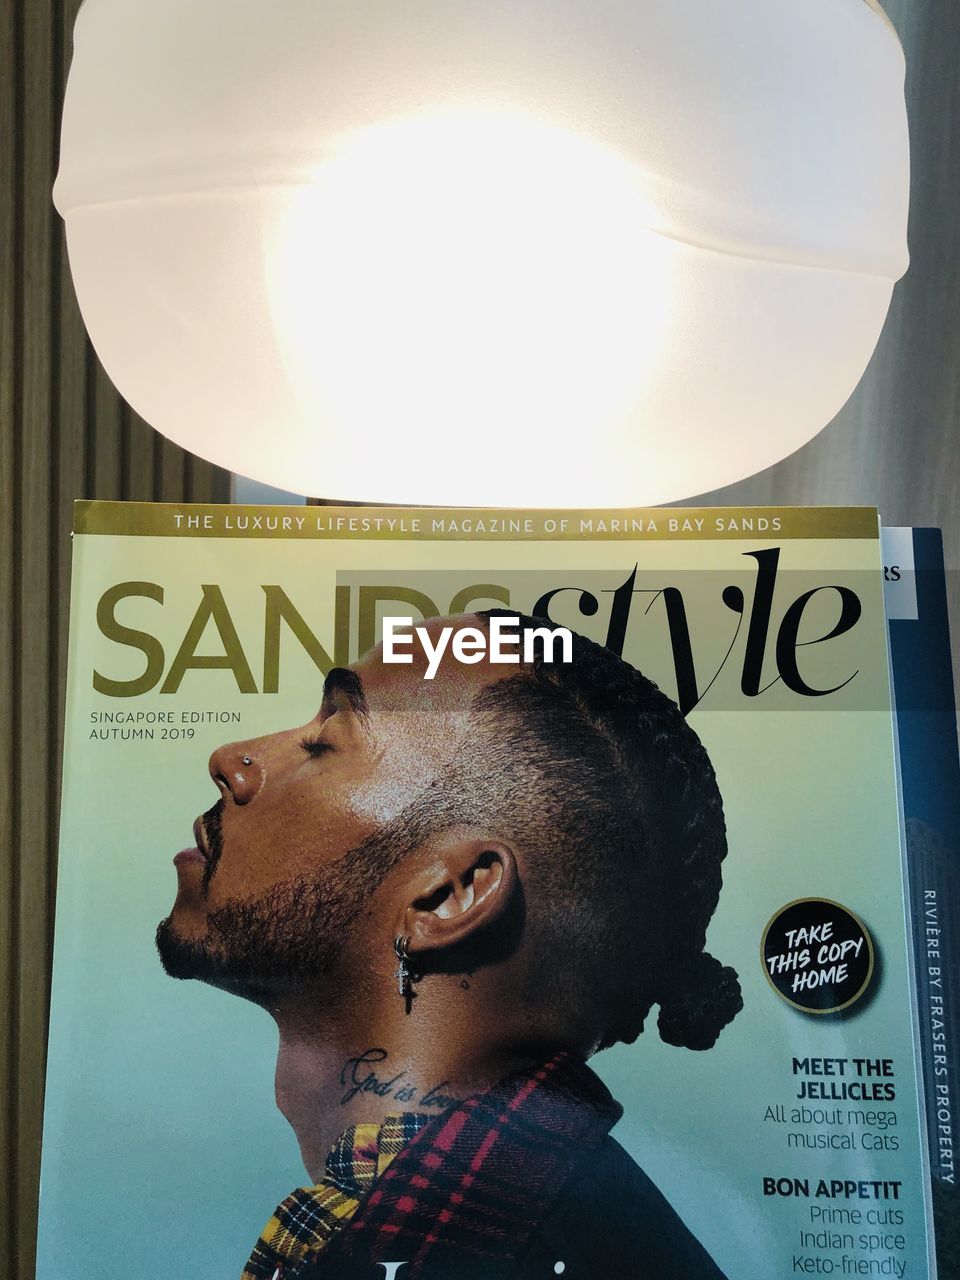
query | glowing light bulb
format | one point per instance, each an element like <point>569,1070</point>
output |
<point>532,253</point>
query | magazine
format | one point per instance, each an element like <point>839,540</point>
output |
<point>459,894</point>
<point>916,595</point>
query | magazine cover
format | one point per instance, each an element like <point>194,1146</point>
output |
<point>480,894</point>
<point>916,594</point>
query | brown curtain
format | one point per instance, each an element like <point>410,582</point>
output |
<point>64,433</point>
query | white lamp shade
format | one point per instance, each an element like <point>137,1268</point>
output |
<point>531,252</point>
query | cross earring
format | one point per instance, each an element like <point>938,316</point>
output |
<point>404,975</point>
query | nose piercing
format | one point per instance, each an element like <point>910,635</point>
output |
<point>247,761</point>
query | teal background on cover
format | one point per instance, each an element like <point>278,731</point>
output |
<point>164,1153</point>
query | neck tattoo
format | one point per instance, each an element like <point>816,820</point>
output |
<point>370,1072</point>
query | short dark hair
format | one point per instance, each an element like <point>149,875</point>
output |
<point>598,778</point>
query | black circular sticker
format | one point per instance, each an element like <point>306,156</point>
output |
<point>817,955</point>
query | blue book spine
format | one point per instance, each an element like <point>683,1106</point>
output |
<point>930,781</point>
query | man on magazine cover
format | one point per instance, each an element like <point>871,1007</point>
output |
<point>449,893</point>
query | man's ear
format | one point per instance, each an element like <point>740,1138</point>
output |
<point>467,885</point>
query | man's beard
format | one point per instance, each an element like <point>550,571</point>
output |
<point>293,932</point>
<point>296,930</point>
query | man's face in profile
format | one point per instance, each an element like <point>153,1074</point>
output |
<point>271,889</point>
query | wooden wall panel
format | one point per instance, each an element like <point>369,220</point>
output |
<point>35,608</point>
<point>9,382</point>
<point>64,434</point>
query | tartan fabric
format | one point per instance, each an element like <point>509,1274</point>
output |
<point>307,1220</point>
<point>475,1184</point>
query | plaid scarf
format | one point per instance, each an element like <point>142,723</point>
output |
<point>308,1218</point>
<point>472,1188</point>
<point>445,1194</point>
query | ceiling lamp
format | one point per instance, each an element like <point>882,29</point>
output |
<point>530,252</point>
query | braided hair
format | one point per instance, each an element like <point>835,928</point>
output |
<point>615,797</point>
